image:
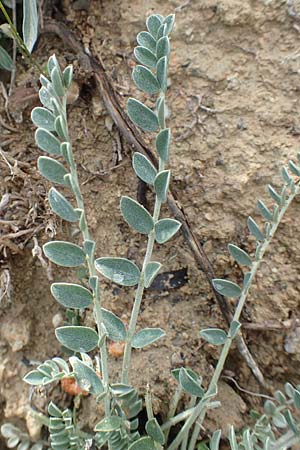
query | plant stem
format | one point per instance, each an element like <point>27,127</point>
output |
<point>141,285</point>
<point>21,45</point>
<point>173,407</point>
<point>201,408</point>
<point>138,298</point>
<point>92,270</point>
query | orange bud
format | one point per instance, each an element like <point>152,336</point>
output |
<point>70,386</point>
<point>116,349</point>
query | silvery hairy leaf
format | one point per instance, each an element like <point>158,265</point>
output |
<point>275,196</point>
<point>67,76</point>
<point>146,40</point>
<point>146,337</point>
<point>47,142</point>
<point>161,69</point>
<point>64,253</point>
<point>86,376</point>
<point>71,295</point>
<point>151,270</point>
<point>295,169</point>
<point>52,170</point>
<point>190,383</point>
<point>43,118</point>
<point>264,210</point>
<point>239,255</point>
<point>144,443</point>
<point>254,229</point>
<point>114,326</point>
<point>77,338</point>
<point>30,23</point>
<point>214,336</point>
<point>57,82</point>
<point>163,47</point>
<point>165,229</point>
<point>163,144</point>
<point>153,24</point>
<point>143,168</point>
<point>145,57</point>
<point>145,80</point>
<point>154,431</point>
<point>119,270</point>
<point>226,287</point>
<point>141,115</point>
<point>61,206</point>
<point>6,62</point>
<point>109,424</point>
<point>136,215</point>
<point>215,440</point>
<point>161,185</point>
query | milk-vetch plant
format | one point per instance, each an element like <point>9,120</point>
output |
<point>119,428</point>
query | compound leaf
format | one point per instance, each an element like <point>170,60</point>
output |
<point>144,168</point>
<point>163,47</point>
<point>145,39</point>
<point>145,57</point>
<point>78,339</point>
<point>141,115</point>
<point>153,24</point>
<point>109,424</point>
<point>165,229</point>
<point>144,443</point>
<point>254,229</point>
<point>161,184</point>
<point>30,23</point>
<point>146,337</point>
<point>64,253</point>
<point>163,144</point>
<point>239,255</point>
<point>161,72</point>
<point>136,215</point>
<point>114,326</point>
<point>151,270</point>
<point>71,295</point>
<point>214,336</point>
<point>61,206</point>
<point>189,383</point>
<point>226,288</point>
<point>6,62</point>
<point>119,270</point>
<point>145,80</point>
<point>52,170</point>
<point>86,376</point>
<point>47,142</point>
<point>43,118</point>
<point>154,431</point>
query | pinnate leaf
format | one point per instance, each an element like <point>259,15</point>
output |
<point>154,431</point>
<point>151,270</point>
<point>144,443</point>
<point>144,168</point>
<point>78,339</point>
<point>163,47</point>
<point>6,62</point>
<point>226,288</point>
<point>47,142</point>
<point>239,255</point>
<point>165,229</point>
<point>161,184</point>
<point>163,144</point>
<point>30,23</point>
<point>136,215</point>
<point>43,118</point>
<point>109,424</point>
<point>189,383</point>
<point>52,170</point>
<point>114,326</point>
<point>145,57</point>
<point>146,337</point>
<point>145,80</point>
<point>153,24</point>
<point>141,115</point>
<point>64,253</point>
<point>86,376</point>
<point>254,229</point>
<point>71,295</point>
<point>119,270</point>
<point>169,21</point>
<point>61,206</point>
<point>162,72</point>
<point>214,336</point>
<point>145,39</point>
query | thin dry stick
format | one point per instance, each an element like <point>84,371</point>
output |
<point>133,137</point>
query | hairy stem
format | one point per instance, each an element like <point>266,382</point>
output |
<point>201,409</point>
<point>92,271</point>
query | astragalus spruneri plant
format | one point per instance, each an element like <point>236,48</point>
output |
<point>119,428</point>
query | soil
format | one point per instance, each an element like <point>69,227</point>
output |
<point>234,111</point>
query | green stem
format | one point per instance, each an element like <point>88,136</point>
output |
<point>138,298</point>
<point>92,271</point>
<point>21,45</point>
<point>201,409</point>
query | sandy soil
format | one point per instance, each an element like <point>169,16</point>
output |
<point>234,105</point>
